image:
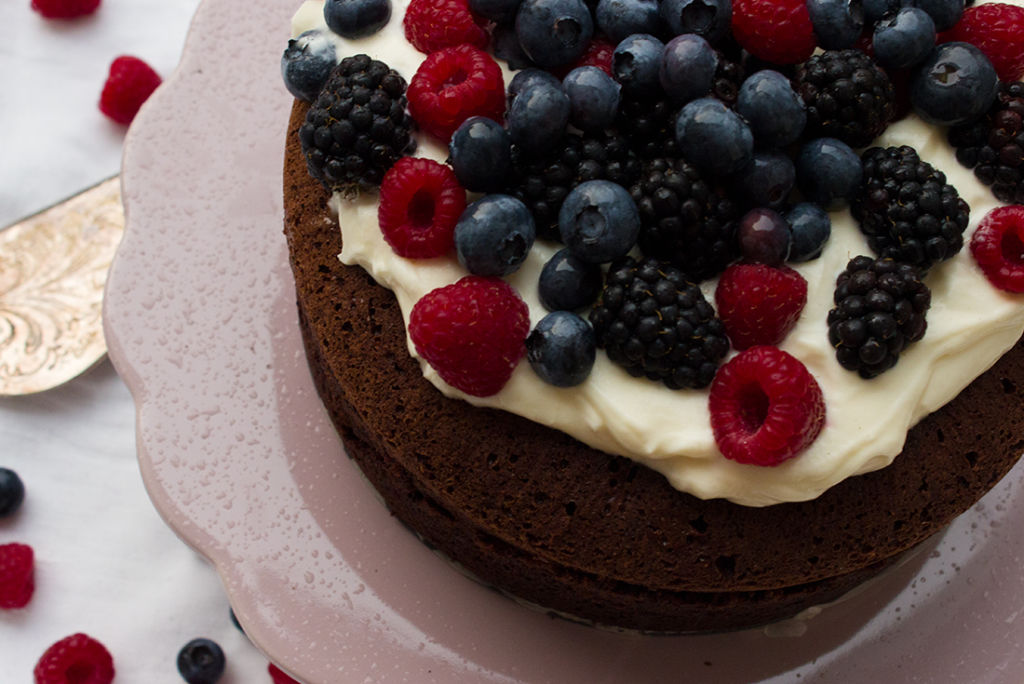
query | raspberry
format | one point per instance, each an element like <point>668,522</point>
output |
<point>454,84</point>
<point>472,333</point>
<point>598,53</point>
<point>420,202</point>
<point>77,659</point>
<point>65,9</point>
<point>998,247</point>
<point>777,31</point>
<point>431,25</point>
<point>130,82</point>
<point>995,29</point>
<point>277,676</point>
<point>759,304</point>
<point>765,407</point>
<point>16,575</point>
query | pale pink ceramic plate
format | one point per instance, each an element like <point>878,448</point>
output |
<point>240,459</point>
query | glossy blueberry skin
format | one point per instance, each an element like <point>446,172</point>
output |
<point>767,180</point>
<point>306,63</point>
<point>356,18</point>
<point>828,172</point>
<point>498,11</point>
<point>688,67</point>
<point>201,661</point>
<point>529,77</point>
<point>708,18</point>
<point>561,349</point>
<point>621,18</point>
<point>636,63</point>
<point>538,116</point>
<point>837,23</point>
<point>12,492</point>
<point>593,98</point>
<point>480,153</point>
<point>810,227</point>
<point>774,111</point>
<point>945,13</point>
<point>876,9</point>
<point>955,84</point>
<point>554,32</point>
<point>494,235</point>
<point>714,137</point>
<point>599,221</point>
<point>764,237</point>
<point>505,44</point>
<point>568,283</point>
<point>903,39</point>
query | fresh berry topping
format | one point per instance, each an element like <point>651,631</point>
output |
<point>620,18</point>
<point>767,180</point>
<point>454,84</point>
<point>775,112</point>
<point>876,9</point>
<point>17,577</point>
<point>129,83</point>
<point>994,144</point>
<point>12,492</point>
<point>837,23</point>
<point>65,9</point>
<point>714,137</point>
<point>903,39</point>
<point>499,11</point>
<point>955,84</point>
<point>944,13</point>
<point>554,33</point>
<point>593,98</point>
<point>480,153</point>
<point>880,308</point>
<point>538,116</point>
<point>277,676</point>
<point>688,66</point>
<point>420,201</point>
<point>998,247</point>
<point>598,54</point>
<point>810,227</point>
<point>306,63</point>
<point>765,406</point>
<point>567,283</point>
<point>777,31</point>
<point>431,25</point>
<point>598,221</point>
<point>995,28</point>
<point>472,333</point>
<point>494,235</point>
<point>764,237</point>
<point>562,349</point>
<point>356,18</point>
<point>77,659</point>
<point>201,661</point>
<point>759,304</point>
<point>636,64</point>
<point>707,18</point>
<point>828,172</point>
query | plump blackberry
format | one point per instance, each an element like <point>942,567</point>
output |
<point>649,123</point>
<point>880,307</point>
<point>994,145</point>
<point>906,208</point>
<point>654,323</point>
<point>847,96</point>
<point>358,126</point>
<point>729,77</point>
<point>685,219</point>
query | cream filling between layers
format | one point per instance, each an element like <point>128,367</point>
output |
<point>970,325</point>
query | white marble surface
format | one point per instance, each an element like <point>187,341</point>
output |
<point>105,562</point>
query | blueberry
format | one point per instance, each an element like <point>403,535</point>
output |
<point>568,283</point>
<point>356,18</point>
<point>636,63</point>
<point>810,227</point>
<point>554,32</point>
<point>688,67</point>
<point>767,179</point>
<point>714,137</point>
<point>505,44</point>
<point>12,492</point>
<point>708,18</point>
<point>774,111</point>
<point>837,24</point>
<point>561,349</point>
<point>593,98</point>
<point>828,172</point>
<point>621,18</point>
<point>498,11</point>
<point>306,64</point>
<point>876,9</point>
<point>529,77</point>
<point>903,39</point>
<point>764,237</point>
<point>480,153</point>
<point>599,221</point>
<point>955,84</point>
<point>494,235</point>
<point>201,661</point>
<point>538,116</point>
<point>945,13</point>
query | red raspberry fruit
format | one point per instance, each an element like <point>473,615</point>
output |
<point>65,9</point>
<point>765,407</point>
<point>420,203</point>
<point>77,659</point>
<point>599,53</point>
<point>279,677</point>
<point>472,333</point>
<point>995,28</point>
<point>777,31</point>
<point>454,84</point>
<point>130,83</point>
<point>998,247</point>
<point>431,25</point>
<point>17,577</point>
<point>759,304</point>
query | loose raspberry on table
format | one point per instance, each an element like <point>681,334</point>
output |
<point>777,31</point>
<point>420,203</point>
<point>998,247</point>
<point>995,28</point>
<point>65,9</point>
<point>277,676</point>
<point>77,659</point>
<point>765,406</point>
<point>472,333</point>
<point>454,84</point>
<point>17,576</point>
<point>759,304</point>
<point>431,25</point>
<point>129,84</point>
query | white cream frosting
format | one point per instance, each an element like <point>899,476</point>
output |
<point>970,325</point>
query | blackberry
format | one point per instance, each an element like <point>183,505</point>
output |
<point>728,78</point>
<point>880,307</point>
<point>847,96</point>
<point>654,323</point>
<point>649,123</point>
<point>357,127</point>
<point>994,145</point>
<point>684,218</point>
<point>906,208</point>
